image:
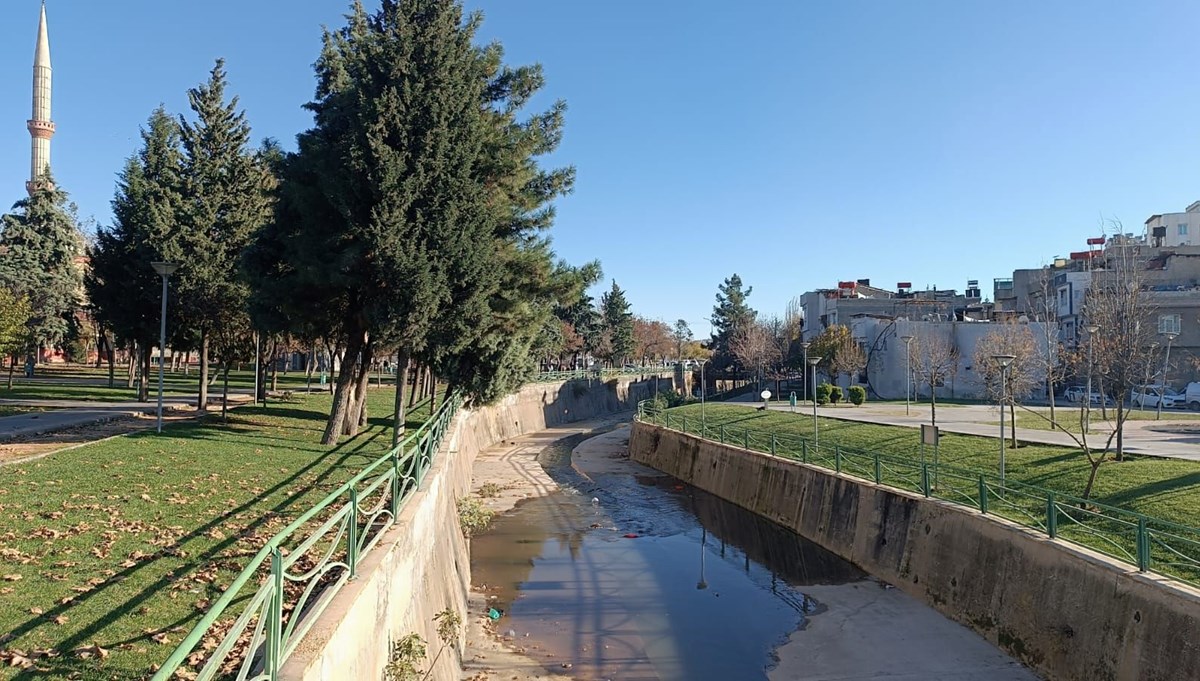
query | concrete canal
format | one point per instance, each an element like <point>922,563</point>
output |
<point>626,574</point>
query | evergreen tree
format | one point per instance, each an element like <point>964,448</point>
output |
<point>124,290</point>
<point>41,243</point>
<point>730,315</point>
<point>618,322</point>
<point>227,189</point>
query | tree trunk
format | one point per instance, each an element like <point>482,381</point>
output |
<point>432,394</point>
<point>1087,490</point>
<point>131,372</point>
<point>310,366</point>
<point>932,406</point>
<point>144,390</point>
<point>1050,391</point>
<point>187,362</point>
<point>274,365</point>
<point>12,366</point>
<point>416,372</point>
<point>357,416</point>
<point>1012,417</point>
<point>343,392</point>
<point>112,355</point>
<point>1121,430</point>
<point>225,395</point>
<point>202,397</point>
<point>403,359</point>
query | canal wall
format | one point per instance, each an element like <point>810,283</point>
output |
<point>421,565</point>
<point>1064,611</point>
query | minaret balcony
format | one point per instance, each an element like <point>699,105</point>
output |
<point>41,129</point>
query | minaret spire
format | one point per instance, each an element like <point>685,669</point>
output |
<point>41,128</point>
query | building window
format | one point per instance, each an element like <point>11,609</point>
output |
<point>1168,323</point>
<point>1183,230</point>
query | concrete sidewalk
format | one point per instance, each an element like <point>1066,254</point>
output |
<point>1168,439</point>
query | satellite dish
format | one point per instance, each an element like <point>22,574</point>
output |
<point>766,394</point>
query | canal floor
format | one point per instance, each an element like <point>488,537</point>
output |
<point>626,574</point>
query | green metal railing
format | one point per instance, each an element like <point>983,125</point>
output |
<point>291,580</point>
<point>1149,544</point>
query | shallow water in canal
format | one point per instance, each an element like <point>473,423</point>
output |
<point>629,574</point>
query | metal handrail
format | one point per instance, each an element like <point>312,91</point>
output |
<point>349,531</point>
<point>1150,544</point>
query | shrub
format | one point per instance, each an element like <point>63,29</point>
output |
<point>821,394</point>
<point>473,516</point>
<point>835,394</point>
<point>857,395</point>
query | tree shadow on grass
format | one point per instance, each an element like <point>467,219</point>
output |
<point>126,606</point>
<point>1157,490</point>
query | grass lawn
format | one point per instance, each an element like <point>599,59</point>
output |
<point>1069,418</point>
<point>1164,488</point>
<point>122,544</point>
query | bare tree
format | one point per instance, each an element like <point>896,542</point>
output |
<point>1045,311</point>
<point>754,347</point>
<point>849,357</point>
<point>934,360</point>
<point>1023,374</point>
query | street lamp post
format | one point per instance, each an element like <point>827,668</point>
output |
<point>803,378</point>
<point>1003,361</point>
<point>1087,399</point>
<point>813,362</point>
<point>907,370</point>
<point>164,270</point>
<point>1171,336</point>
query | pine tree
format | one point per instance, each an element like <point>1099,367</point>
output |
<point>123,288</point>
<point>618,322</point>
<point>730,315</point>
<point>227,190</point>
<point>41,244</point>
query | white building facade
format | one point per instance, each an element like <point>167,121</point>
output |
<point>1175,229</point>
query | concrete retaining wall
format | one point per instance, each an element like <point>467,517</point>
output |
<point>1066,612</point>
<point>421,565</point>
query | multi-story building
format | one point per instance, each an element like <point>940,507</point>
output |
<point>826,307</point>
<point>1174,229</point>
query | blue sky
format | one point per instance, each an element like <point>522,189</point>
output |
<point>795,143</point>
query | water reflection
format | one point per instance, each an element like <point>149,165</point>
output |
<point>657,580</point>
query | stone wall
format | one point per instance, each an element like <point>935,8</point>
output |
<point>1066,612</point>
<point>421,565</point>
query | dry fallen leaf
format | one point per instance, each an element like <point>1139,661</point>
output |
<point>36,611</point>
<point>12,578</point>
<point>61,619</point>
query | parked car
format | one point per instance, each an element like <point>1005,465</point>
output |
<point>1191,395</point>
<point>1076,394</point>
<point>1148,396</point>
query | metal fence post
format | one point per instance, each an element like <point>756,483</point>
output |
<point>352,534</point>
<point>804,451</point>
<point>722,433</point>
<point>667,420</point>
<point>837,459</point>
<point>982,495</point>
<point>1143,545</point>
<point>1051,515</point>
<point>925,479</point>
<point>394,505</point>
<point>772,444</point>
<point>275,616</point>
<point>746,438</point>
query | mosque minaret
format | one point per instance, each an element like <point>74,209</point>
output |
<point>41,128</point>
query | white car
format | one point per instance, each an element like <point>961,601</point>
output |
<point>1076,393</point>
<point>1148,396</point>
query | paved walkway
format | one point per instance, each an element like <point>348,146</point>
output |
<point>1179,439</point>
<point>68,414</point>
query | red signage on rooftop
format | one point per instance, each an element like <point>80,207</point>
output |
<point>1096,241</point>
<point>904,284</point>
